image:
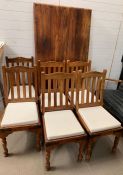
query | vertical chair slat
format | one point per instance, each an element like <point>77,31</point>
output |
<point>66,91</point>
<point>98,89</point>
<point>35,79</point>
<point>22,63</point>
<point>77,68</point>
<point>82,90</point>
<point>27,64</point>
<point>12,64</point>
<point>43,91</point>
<point>49,88</point>
<point>23,84</point>
<point>61,84</point>
<point>72,69</point>
<point>11,80</point>
<point>17,63</point>
<point>5,84</point>
<point>93,89</point>
<point>88,90</point>
<point>55,92</point>
<point>49,93</point>
<point>59,69</point>
<point>54,69</point>
<point>18,84</point>
<point>72,91</point>
<point>29,83</point>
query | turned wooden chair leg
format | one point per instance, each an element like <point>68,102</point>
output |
<point>4,143</point>
<point>38,139</point>
<point>116,141</point>
<point>80,156</point>
<point>47,159</point>
<point>88,151</point>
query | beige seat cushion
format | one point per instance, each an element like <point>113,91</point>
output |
<point>21,92</point>
<point>98,119</point>
<point>52,99</point>
<point>80,96</point>
<point>61,124</point>
<point>23,113</point>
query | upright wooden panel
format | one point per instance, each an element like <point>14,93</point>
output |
<point>61,33</point>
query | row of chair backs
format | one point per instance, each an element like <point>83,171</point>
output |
<point>50,66</point>
<point>85,89</point>
<point>20,84</point>
<point>19,61</point>
<point>25,79</point>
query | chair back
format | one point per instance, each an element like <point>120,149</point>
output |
<point>19,61</point>
<point>56,97</point>
<point>78,65</point>
<point>47,68</point>
<point>90,86</point>
<point>20,84</point>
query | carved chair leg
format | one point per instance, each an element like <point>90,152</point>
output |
<point>88,151</point>
<point>47,159</point>
<point>38,139</point>
<point>4,143</point>
<point>80,156</point>
<point>116,141</point>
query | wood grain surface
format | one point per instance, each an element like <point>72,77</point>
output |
<point>61,33</point>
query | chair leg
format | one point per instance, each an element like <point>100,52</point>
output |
<point>38,139</point>
<point>47,159</point>
<point>4,143</point>
<point>80,156</point>
<point>88,151</point>
<point>116,141</point>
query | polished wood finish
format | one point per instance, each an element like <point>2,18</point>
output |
<point>1,52</point>
<point>19,61</point>
<point>78,66</point>
<point>11,78</point>
<point>60,85</point>
<point>47,68</point>
<point>61,33</point>
<point>93,82</point>
<point>1,62</point>
<point>114,80</point>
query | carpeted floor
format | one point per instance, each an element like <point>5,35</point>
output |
<point>24,160</point>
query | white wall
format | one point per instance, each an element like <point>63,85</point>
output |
<point>106,38</point>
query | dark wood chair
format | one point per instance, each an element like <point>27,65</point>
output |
<point>93,117</point>
<point>19,61</point>
<point>57,113</point>
<point>21,112</point>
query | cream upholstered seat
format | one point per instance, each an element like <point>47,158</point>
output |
<point>24,113</point>
<point>98,119</point>
<point>52,99</point>
<point>21,92</point>
<point>84,95</point>
<point>21,112</point>
<point>61,124</point>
